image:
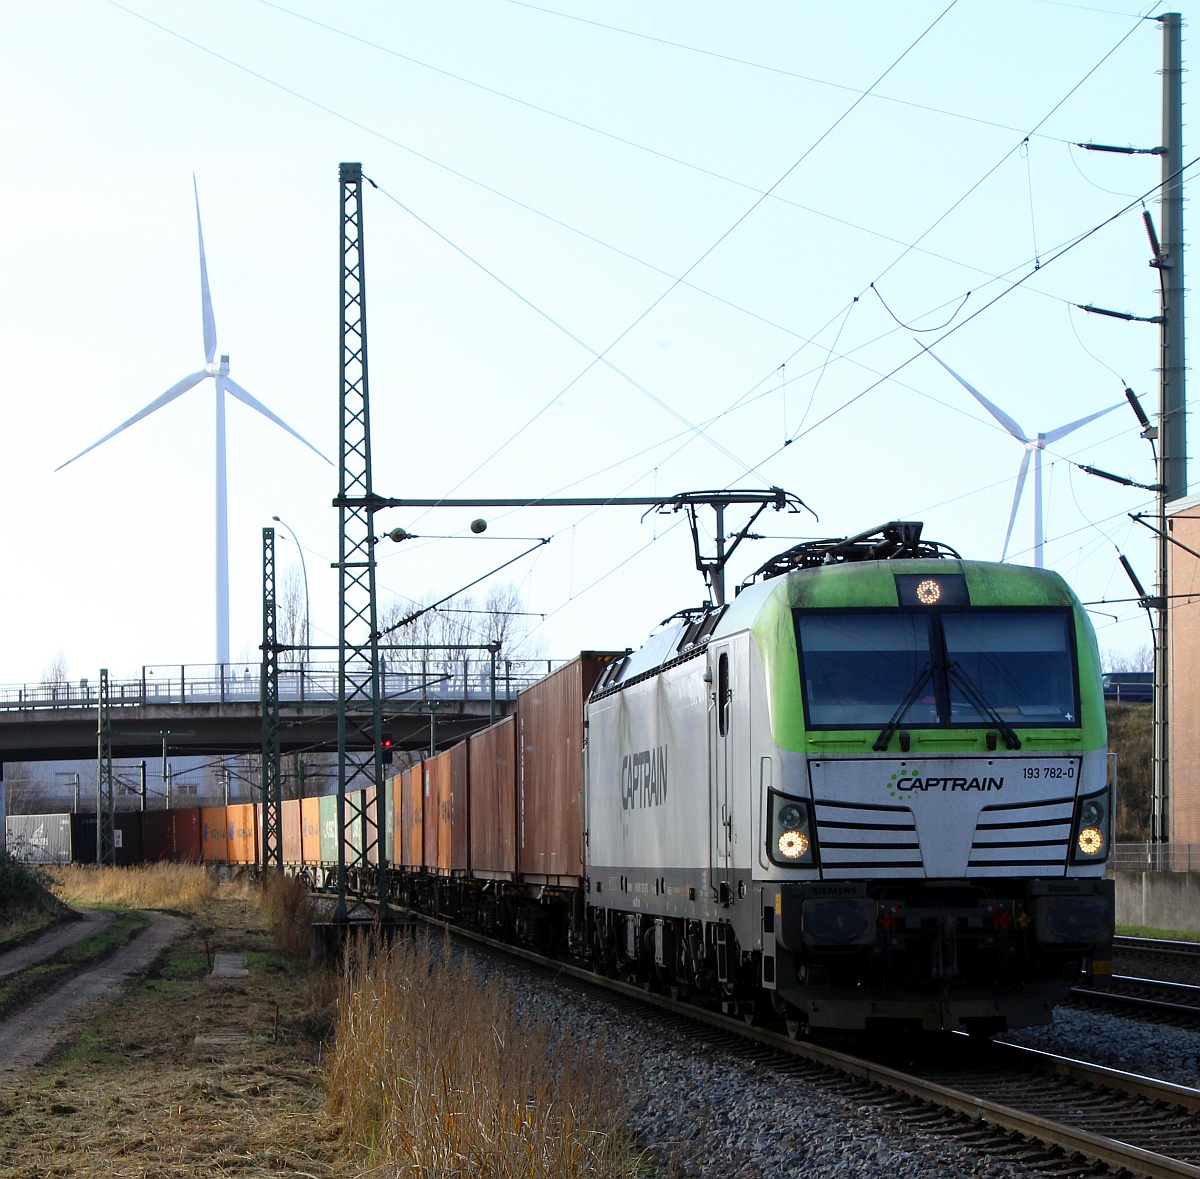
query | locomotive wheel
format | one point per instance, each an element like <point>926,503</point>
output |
<point>794,1023</point>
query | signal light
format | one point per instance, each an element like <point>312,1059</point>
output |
<point>385,744</point>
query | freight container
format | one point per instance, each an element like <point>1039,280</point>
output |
<point>389,827</point>
<point>372,827</point>
<point>186,833</point>
<point>127,838</point>
<point>550,770</point>
<point>214,835</point>
<point>436,785</point>
<point>493,800</point>
<point>329,828</point>
<point>396,818</point>
<point>412,813</point>
<point>310,830</point>
<point>158,837</point>
<point>40,839</point>
<point>241,822</point>
<point>354,826</point>
<point>453,816</point>
<point>289,825</point>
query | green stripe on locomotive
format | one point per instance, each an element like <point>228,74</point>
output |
<point>872,583</point>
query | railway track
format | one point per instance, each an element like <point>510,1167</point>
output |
<point>1142,998</point>
<point>1067,1116</point>
<point>1170,961</point>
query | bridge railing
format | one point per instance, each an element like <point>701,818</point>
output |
<point>438,678</point>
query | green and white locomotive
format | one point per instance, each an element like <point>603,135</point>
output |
<point>873,790</point>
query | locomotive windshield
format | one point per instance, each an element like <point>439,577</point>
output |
<point>941,667</point>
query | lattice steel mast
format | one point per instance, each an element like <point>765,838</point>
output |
<point>359,711</point>
<point>106,805</point>
<point>272,836</point>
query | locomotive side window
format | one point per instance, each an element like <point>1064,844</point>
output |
<point>937,667</point>
<point>859,667</point>
<point>723,694</point>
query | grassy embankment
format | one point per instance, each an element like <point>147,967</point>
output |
<point>1131,738</point>
<point>26,903</point>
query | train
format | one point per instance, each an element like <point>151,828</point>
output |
<point>870,793</point>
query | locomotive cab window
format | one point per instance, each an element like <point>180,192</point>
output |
<point>929,668</point>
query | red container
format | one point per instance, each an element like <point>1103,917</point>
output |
<point>550,771</point>
<point>158,842</point>
<point>437,787</point>
<point>493,800</point>
<point>310,830</point>
<point>242,825</point>
<point>454,829</point>
<point>412,848</point>
<point>214,835</point>
<point>289,823</point>
<point>186,835</point>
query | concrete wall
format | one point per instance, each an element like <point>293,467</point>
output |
<point>1160,900</point>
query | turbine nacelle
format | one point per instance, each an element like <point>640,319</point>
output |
<point>218,370</point>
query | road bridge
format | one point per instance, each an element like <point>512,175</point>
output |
<point>216,708</point>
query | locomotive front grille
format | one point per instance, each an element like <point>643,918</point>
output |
<point>868,840</point>
<point>1026,838</point>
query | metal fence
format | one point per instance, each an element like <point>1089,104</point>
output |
<point>1156,857</point>
<point>430,679</point>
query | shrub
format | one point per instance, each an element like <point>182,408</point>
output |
<point>289,911</point>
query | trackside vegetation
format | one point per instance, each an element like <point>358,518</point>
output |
<point>435,1070</point>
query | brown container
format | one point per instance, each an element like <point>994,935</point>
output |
<point>396,795</point>
<point>430,812</point>
<point>158,842</point>
<point>289,822</point>
<point>412,850</point>
<point>493,800</point>
<point>450,779</point>
<point>439,790</point>
<point>550,770</point>
<point>214,835</point>
<point>186,834</point>
<point>242,825</point>
<point>310,830</point>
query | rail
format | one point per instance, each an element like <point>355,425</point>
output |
<point>432,680</point>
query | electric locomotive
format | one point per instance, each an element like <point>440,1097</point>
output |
<point>872,791</point>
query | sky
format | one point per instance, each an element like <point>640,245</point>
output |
<point>758,216</point>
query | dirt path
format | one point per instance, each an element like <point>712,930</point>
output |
<point>56,938</point>
<point>30,1034</point>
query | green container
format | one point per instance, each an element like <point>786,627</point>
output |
<point>329,841</point>
<point>354,825</point>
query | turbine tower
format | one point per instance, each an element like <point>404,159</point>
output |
<point>219,372</point>
<point>1033,446</point>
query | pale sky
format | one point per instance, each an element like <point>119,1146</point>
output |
<point>548,172</point>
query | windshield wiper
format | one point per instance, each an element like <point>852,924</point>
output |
<point>910,698</point>
<point>976,699</point>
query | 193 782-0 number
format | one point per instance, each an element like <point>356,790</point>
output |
<point>1052,771</point>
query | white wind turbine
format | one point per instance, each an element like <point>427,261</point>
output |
<point>1033,446</point>
<point>219,372</point>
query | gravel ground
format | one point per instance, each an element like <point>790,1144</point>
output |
<point>718,1118</point>
<point>1155,1050</point>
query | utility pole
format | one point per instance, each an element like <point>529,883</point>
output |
<point>358,624</point>
<point>142,767</point>
<point>272,837</point>
<point>1172,420</point>
<point>105,799</point>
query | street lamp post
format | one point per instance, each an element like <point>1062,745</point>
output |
<point>304,573</point>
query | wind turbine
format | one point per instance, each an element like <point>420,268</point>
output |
<point>1033,446</point>
<point>219,372</point>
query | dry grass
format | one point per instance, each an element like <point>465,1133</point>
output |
<point>182,887</point>
<point>289,910</point>
<point>1131,738</point>
<point>437,1072</point>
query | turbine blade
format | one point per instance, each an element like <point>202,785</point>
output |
<point>1063,431</point>
<point>176,390</point>
<point>206,311</point>
<point>1008,423</point>
<point>254,403</point>
<point>1012,516</point>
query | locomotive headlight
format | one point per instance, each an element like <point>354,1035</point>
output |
<point>789,841</point>
<point>1091,828</point>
